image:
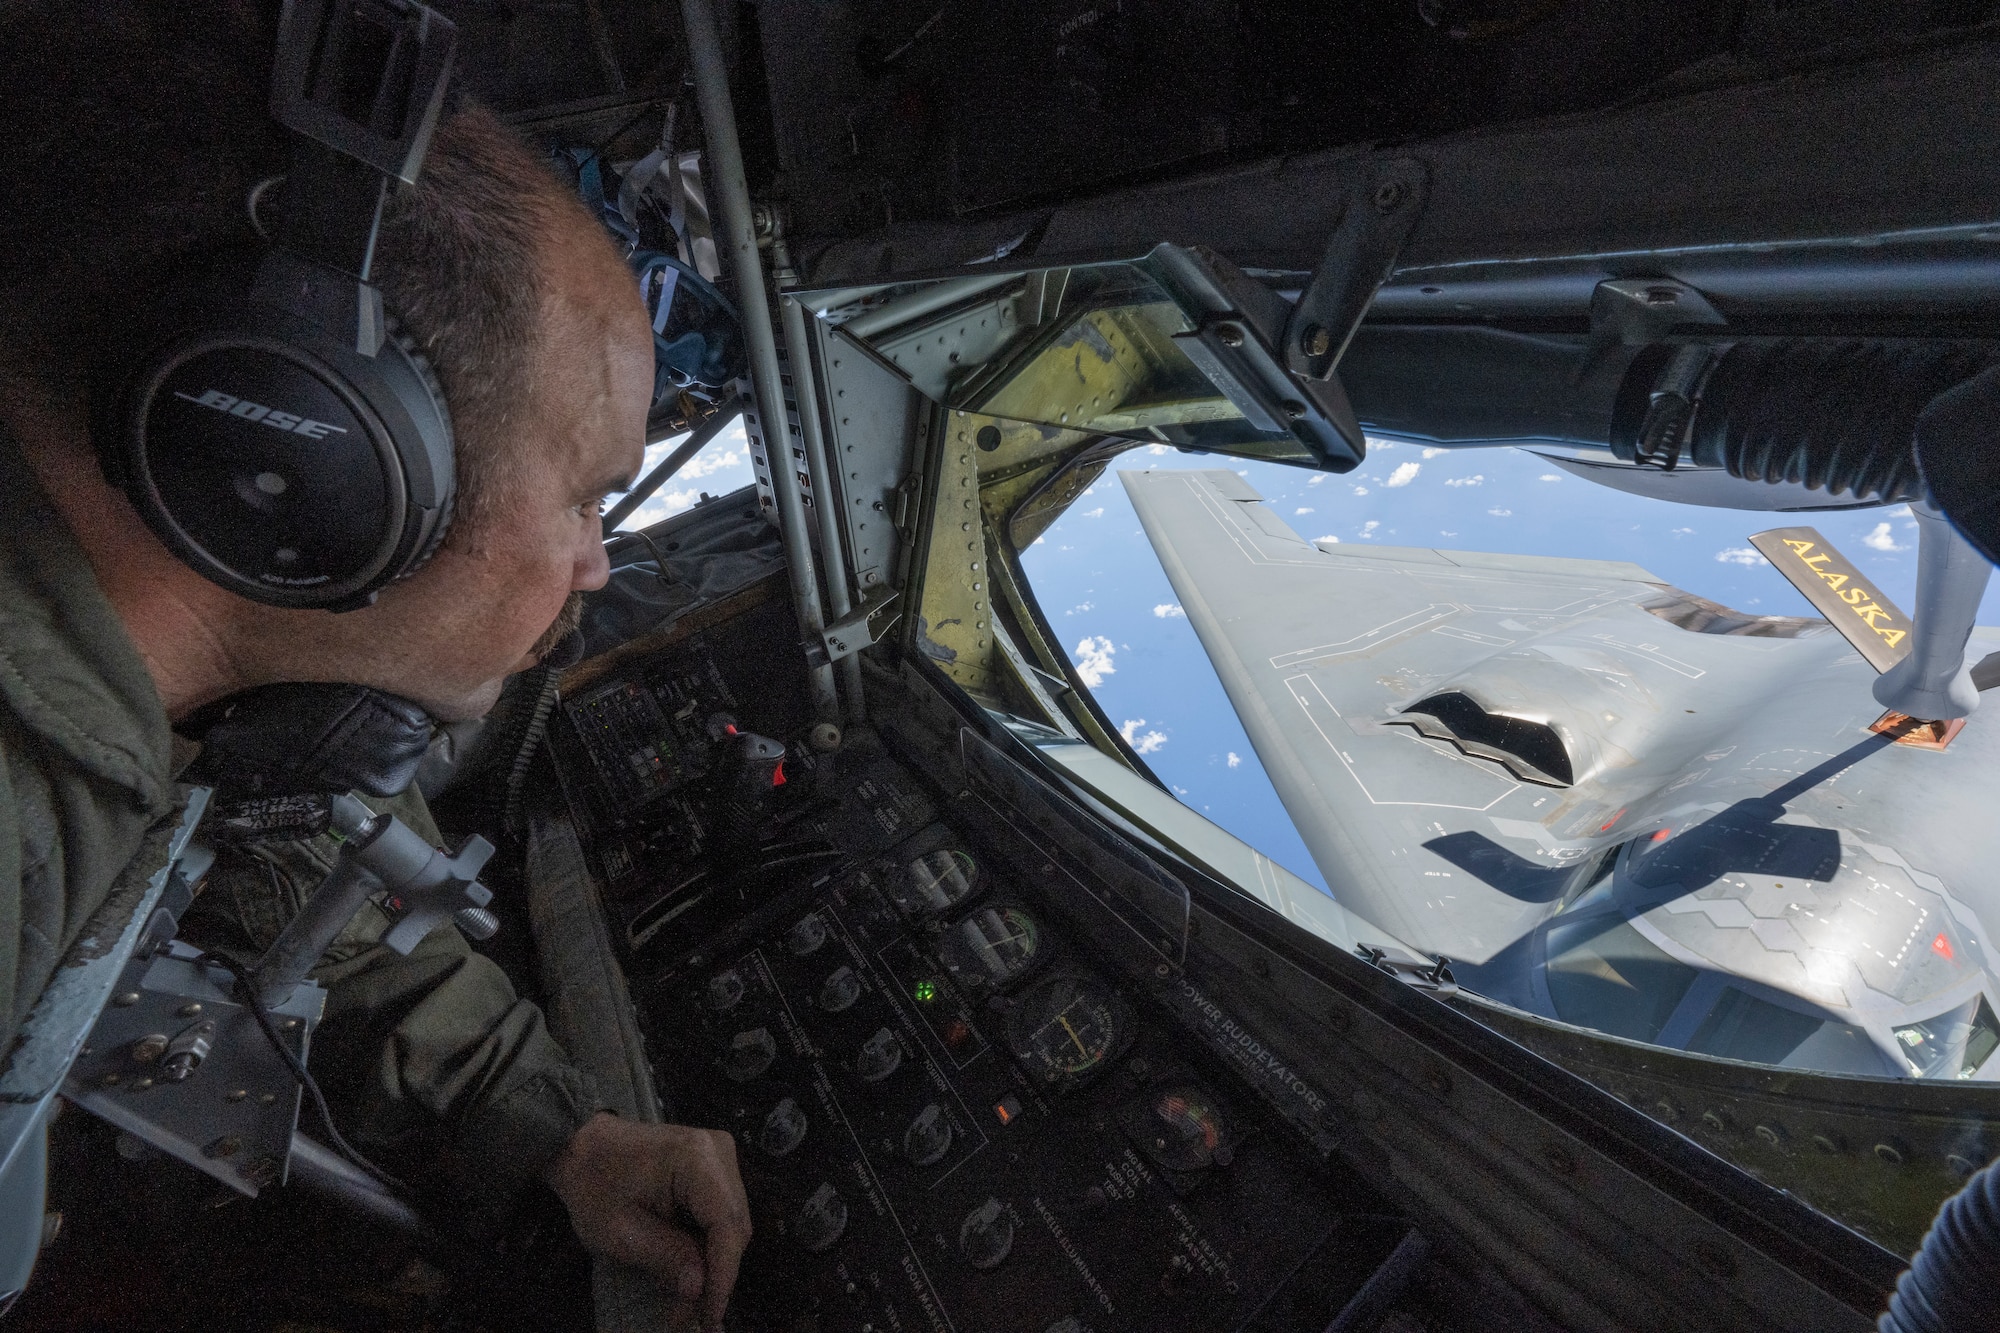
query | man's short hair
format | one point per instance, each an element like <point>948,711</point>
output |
<point>137,131</point>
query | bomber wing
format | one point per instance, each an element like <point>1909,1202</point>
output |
<point>1480,750</point>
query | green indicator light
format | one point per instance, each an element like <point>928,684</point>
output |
<point>926,991</point>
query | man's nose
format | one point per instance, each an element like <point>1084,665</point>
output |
<point>593,565</point>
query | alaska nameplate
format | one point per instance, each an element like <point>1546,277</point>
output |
<point>1851,602</point>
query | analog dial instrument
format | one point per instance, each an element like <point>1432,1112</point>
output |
<point>1066,1028</point>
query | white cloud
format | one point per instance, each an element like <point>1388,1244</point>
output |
<point>1368,528</point>
<point>706,464</point>
<point>1361,490</point>
<point>726,459</point>
<point>1881,539</point>
<point>1549,476</point>
<point>1476,479</point>
<point>1740,555</point>
<point>1683,532</point>
<point>1296,512</point>
<point>1157,450</point>
<point>1039,541</point>
<point>1317,478</point>
<point>1144,744</point>
<point>1094,513</point>
<point>1093,660</point>
<point>1900,511</point>
<point>1168,610</point>
<point>1328,538</point>
<point>1234,759</point>
<point>1404,474</point>
<point>1443,533</point>
<point>1088,490</point>
<point>1081,606</point>
<point>1432,453</point>
<point>1501,513</point>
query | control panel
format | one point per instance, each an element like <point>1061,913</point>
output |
<point>949,1117</point>
<point>956,1106</point>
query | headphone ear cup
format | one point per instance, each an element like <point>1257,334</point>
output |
<point>278,460</point>
<point>447,466</point>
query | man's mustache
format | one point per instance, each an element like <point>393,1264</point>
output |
<point>561,628</point>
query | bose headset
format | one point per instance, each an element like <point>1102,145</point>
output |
<point>291,444</point>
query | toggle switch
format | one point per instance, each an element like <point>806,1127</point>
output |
<point>881,1055</point>
<point>928,1138</point>
<point>725,991</point>
<point>840,991</point>
<point>806,937</point>
<point>986,1235</point>
<point>750,1054</point>
<point>784,1128</point>
<point>822,1220</point>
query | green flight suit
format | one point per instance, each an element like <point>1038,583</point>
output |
<point>430,1056</point>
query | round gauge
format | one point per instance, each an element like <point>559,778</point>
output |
<point>1065,1028</point>
<point>1185,1131</point>
<point>937,881</point>
<point>992,946</point>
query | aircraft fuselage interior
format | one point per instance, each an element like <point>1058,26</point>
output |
<point>824,841</point>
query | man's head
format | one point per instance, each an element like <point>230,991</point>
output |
<point>530,319</point>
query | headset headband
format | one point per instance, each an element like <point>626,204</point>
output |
<point>289,443</point>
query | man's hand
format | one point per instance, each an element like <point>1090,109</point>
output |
<point>633,1190</point>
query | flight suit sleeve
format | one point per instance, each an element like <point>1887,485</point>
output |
<point>439,1037</point>
<point>420,1052</point>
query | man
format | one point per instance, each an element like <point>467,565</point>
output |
<point>534,328</point>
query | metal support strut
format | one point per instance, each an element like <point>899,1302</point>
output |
<point>819,463</point>
<point>737,240</point>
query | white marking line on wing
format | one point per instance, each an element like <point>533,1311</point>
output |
<point>1312,712</point>
<point>1652,651</point>
<point>1227,515</point>
<point>1471,636</point>
<point>1368,638</point>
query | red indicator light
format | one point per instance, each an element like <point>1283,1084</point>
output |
<point>1663,835</point>
<point>1613,820</point>
<point>1007,1109</point>
<point>1941,945</point>
<point>956,1032</point>
<point>778,774</point>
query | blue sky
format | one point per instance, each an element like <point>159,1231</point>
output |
<point>1110,603</point>
<point>720,468</point>
<point>1107,597</point>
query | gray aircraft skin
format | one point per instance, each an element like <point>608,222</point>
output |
<point>1627,809</point>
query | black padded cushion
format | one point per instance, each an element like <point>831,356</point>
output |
<point>284,740</point>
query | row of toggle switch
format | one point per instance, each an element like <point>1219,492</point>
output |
<point>985,1237</point>
<point>755,1050</point>
<point>837,993</point>
<point>926,1140</point>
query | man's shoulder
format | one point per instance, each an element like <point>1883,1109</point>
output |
<point>86,754</point>
<point>69,674</point>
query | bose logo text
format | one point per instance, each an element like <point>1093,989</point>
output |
<point>249,411</point>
